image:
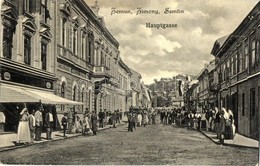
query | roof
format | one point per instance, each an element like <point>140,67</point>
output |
<point>218,44</point>
<point>209,67</point>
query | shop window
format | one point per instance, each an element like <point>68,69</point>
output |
<point>27,50</point>
<point>44,56</point>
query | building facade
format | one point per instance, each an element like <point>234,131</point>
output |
<point>206,77</point>
<point>27,58</point>
<point>60,54</point>
<point>238,66</point>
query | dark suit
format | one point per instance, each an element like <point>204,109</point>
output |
<point>49,125</point>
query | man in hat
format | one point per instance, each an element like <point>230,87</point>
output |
<point>64,122</point>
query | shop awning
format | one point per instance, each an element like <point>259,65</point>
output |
<point>16,94</point>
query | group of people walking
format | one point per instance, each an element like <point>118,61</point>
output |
<point>140,118</point>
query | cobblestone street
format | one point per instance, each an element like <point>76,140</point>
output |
<point>154,144</point>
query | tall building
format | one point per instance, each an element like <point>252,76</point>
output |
<point>28,59</point>
<point>59,54</point>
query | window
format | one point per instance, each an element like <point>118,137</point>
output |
<point>243,104</point>
<point>246,56</point>
<point>257,57</point>
<point>44,56</point>
<point>253,52</point>
<point>83,46</point>
<point>28,6</point>
<point>74,47</point>
<point>27,50</point>
<point>63,31</point>
<point>253,102</point>
<point>235,64</point>
<point>7,43</point>
<point>44,11</point>
<point>89,51</point>
<point>232,65</point>
<point>240,58</point>
<point>102,59</point>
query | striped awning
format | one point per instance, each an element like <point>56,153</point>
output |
<point>18,94</point>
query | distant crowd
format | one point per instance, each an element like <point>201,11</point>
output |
<point>140,117</point>
<point>222,122</point>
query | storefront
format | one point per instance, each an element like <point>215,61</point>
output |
<point>14,98</point>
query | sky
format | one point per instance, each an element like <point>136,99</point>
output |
<point>157,53</point>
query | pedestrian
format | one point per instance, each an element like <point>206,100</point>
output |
<point>64,122</point>
<point>101,118</point>
<point>76,123</point>
<point>49,124</point>
<point>38,123</point>
<point>222,125</point>
<point>85,126</point>
<point>2,121</point>
<point>32,123</point>
<point>114,117</point>
<point>94,123</point>
<point>23,133</point>
<point>145,119</point>
<point>216,122</point>
<point>130,122</point>
<point>139,119</point>
<point>233,127</point>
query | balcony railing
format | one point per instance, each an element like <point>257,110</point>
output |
<point>101,71</point>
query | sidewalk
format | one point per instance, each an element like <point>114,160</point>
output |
<point>8,140</point>
<point>238,141</point>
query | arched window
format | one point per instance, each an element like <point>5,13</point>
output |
<point>27,49</point>
<point>74,93</point>
<point>62,94</point>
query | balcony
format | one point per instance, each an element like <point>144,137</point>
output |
<point>101,72</point>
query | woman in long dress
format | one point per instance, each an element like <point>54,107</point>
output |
<point>23,128</point>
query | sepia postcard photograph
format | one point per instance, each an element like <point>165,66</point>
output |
<point>129,82</point>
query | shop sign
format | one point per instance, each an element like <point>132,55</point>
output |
<point>7,76</point>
